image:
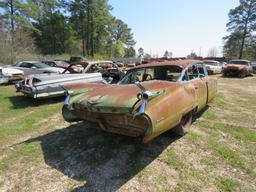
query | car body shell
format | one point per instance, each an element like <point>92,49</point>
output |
<point>64,65</point>
<point>10,75</point>
<point>233,68</point>
<point>51,85</point>
<point>120,108</point>
<point>30,68</point>
<point>253,67</point>
<point>213,67</point>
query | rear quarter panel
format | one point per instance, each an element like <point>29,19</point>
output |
<point>167,109</point>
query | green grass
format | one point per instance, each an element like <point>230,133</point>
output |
<point>228,185</point>
<point>22,115</point>
<point>210,115</point>
<point>194,137</point>
<point>232,157</point>
<point>27,152</point>
<point>173,160</point>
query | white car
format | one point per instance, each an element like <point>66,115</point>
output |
<point>213,67</point>
<point>10,75</point>
<point>36,67</point>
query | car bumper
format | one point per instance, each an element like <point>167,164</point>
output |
<point>4,79</point>
<point>38,92</point>
<point>123,124</point>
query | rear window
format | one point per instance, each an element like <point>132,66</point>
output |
<point>239,62</point>
<point>165,73</point>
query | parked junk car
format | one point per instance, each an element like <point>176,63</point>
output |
<point>213,67</point>
<point>64,65</point>
<point>51,85</point>
<point>36,67</point>
<point>149,100</point>
<point>10,75</point>
<point>240,68</point>
<point>253,66</point>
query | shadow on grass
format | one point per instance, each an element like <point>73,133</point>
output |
<point>101,160</point>
<point>20,101</point>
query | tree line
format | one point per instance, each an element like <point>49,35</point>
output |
<point>51,27</point>
<point>241,42</point>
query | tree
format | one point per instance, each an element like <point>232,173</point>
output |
<point>92,21</point>
<point>242,20</point>
<point>192,55</point>
<point>141,52</point>
<point>54,32</point>
<point>130,52</point>
<point>17,15</point>
<point>213,52</point>
<point>167,54</point>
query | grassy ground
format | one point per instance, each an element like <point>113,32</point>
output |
<point>40,152</point>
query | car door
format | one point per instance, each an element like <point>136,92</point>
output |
<point>197,78</point>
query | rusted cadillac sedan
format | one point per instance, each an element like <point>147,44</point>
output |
<point>149,100</point>
<point>239,68</point>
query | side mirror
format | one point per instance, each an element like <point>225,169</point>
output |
<point>33,67</point>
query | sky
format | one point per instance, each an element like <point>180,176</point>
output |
<point>178,26</point>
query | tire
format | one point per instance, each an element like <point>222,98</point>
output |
<point>184,125</point>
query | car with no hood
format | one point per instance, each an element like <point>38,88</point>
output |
<point>149,100</point>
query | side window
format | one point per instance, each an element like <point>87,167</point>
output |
<point>139,75</point>
<point>148,75</point>
<point>26,65</point>
<point>185,76</point>
<point>193,72</point>
<point>201,70</point>
<point>93,69</point>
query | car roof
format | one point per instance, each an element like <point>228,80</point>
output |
<point>211,61</point>
<point>181,63</point>
<point>30,62</point>
<point>239,60</point>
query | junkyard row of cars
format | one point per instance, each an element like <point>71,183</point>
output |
<point>143,101</point>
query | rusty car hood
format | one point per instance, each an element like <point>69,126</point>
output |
<point>234,66</point>
<point>120,96</point>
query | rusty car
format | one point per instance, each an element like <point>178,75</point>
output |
<point>36,67</point>
<point>149,100</point>
<point>10,75</point>
<point>239,68</point>
<point>51,85</point>
<point>213,67</point>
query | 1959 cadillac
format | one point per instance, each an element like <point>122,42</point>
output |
<point>149,100</point>
<point>51,85</point>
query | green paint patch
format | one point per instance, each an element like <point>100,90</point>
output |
<point>228,185</point>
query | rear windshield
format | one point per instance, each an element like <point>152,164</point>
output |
<point>164,73</point>
<point>239,62</point>
<point>40,65</point>
<point>211,63</point>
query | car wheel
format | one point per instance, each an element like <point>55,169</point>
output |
<point>184,125</point>
<point>242,75</point>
